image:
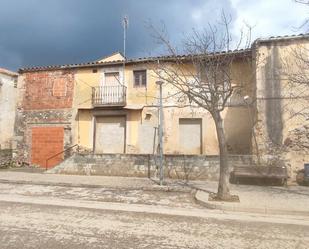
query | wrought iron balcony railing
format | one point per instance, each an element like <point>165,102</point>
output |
<point>109,96</point>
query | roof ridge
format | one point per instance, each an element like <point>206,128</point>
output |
<point>7,72</point>
<point>283,37</point>
<point>133,60</point>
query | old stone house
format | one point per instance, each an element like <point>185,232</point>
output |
<point>44,116</point>
<point>110,107</point>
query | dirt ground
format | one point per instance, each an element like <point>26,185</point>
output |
<point>52,221</point>
<point>162,198</point>
<point>37,226</point>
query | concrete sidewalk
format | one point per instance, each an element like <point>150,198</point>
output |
<point>292,200</point>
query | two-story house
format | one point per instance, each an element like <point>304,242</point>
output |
<point>111,106</point>
<point>117,111</point>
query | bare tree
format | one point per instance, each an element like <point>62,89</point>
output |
<point>296,71</point>
<point>305,23</point>
<point>203,78</point>
<point>302,1</point>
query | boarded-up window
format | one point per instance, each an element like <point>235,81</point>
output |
<point>59,87</point>
<point>140,78</point>
<point>190,135</point>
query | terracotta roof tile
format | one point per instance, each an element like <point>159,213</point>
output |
<point>128,61</point>
<point>284,37</point>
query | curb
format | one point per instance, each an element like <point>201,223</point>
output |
<point>201,198</point>
<point>83,185</point>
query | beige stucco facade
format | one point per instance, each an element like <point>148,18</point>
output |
<point>271,122</point>
<point>282,104</point>
<point>141,111</point>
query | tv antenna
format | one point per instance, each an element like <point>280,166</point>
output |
<point>125,24</point>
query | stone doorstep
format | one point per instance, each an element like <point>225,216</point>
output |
<point>201,197</point>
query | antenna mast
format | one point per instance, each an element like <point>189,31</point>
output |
<point>125,23</point>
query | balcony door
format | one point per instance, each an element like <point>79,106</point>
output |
<point>111,90</point>
<point>112,79</point>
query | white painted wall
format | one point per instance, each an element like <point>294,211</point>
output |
<point>8,95</point>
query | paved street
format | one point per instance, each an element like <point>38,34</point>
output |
<point>34,216</point>
<point>104,194</point>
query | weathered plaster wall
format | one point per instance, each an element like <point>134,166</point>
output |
<point>141,95</point>
<point>142,133</point>
<point>84,80</point>
<point>142,123</point>
<point>84,128</point>
<point>8,94</point>
<point>238,125</point>
<point>171,129</point>
<point>282,105</point>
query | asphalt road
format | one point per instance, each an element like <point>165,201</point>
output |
<point>32,225</point>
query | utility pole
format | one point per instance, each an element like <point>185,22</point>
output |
<point>125,23</point>
<point>159,83</point>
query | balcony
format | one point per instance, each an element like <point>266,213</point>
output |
<point>109,96</point>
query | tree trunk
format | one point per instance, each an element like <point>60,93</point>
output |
<point>223,186</point>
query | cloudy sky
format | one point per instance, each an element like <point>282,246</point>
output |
<point>36,32</point>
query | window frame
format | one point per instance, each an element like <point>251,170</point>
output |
<point>140,83</point>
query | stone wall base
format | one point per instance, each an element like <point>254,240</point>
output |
<point>5,158</point>
<point>185,167</point>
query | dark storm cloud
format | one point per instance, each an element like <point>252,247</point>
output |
<point>47,32</point>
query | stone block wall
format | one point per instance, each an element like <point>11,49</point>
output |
<point>183,167</point>
<point>5,158</point>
